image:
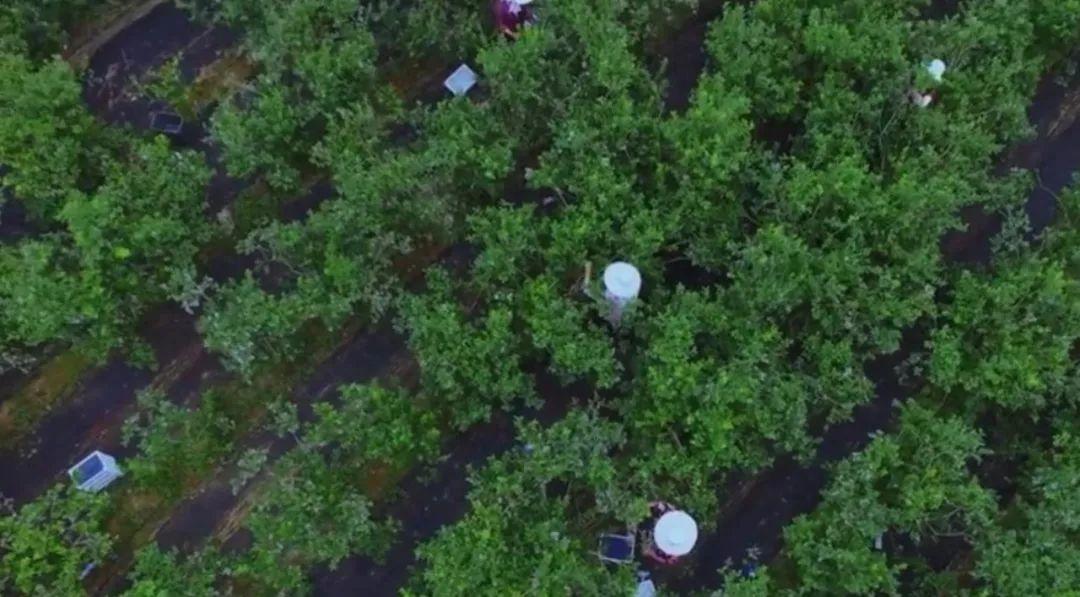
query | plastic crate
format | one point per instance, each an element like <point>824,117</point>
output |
<point>461,80</point>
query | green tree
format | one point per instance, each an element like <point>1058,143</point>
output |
<point>1006,339</point>
<point>39,28</point>
<point>377,425</point>
<point>1035,552</point>
<point>735,585</point>
<point>265,137</point>
<point>177,445</point>
<point>133,232</point>
<point>510,242</point>
<point>915,483</point>
<point>720,393</point>
<point>470,367</point>
<point>312,514</point>
<point>48,140</point>
<point>711,144</point>
<point>123,244</point>
<point>48,542</point>
<point>432,29</point>
<point>250,327</point>
<point>158,573</point>
<point>520,535</point>
<point>561,328</point>
<point>49,303</point>
<point>319,59</point>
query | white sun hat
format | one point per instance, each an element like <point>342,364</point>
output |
<point>675,533</point>
<point>936,68</point>
<point>622,281</point>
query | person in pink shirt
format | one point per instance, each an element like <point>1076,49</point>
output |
<point>511,15</point>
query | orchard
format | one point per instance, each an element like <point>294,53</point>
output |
<point>682,298</point>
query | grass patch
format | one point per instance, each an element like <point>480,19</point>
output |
<point>220,79</point>
<point>55,382</point>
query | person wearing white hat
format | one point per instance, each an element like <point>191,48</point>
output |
<point>622,283</point>
<point>936,69</point>
<point>511,15</point>
<point>673,534</point>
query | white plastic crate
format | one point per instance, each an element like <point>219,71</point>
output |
<point>95,472</point>
<point>461,80</point>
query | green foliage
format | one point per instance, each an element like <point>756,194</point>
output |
<point>800,182</point>
<point>123,244</point>
<point>264,138</point>
<point>38,28</point>
<point>518,537</point>
<point>323,43</point>
<point>759,59</point>
<point>319,59</point>
<point>312,514</point>
<point>862,187</point>
<point>511,243</point>
<point>375,425</point>
<point>605,148</point>
<point>558,326</point>
<point>393,197</point>
<point>491,553</point>
<point>470,367</point>
<point>721,391</point>
<point>1057,24</point>
<point>144,222</point>
<point>710,145</point>
<point>167,84</point>
<point>47,137</point>
<point>158,573</point>
<point>1038,554</point>
<point>177,445</point>
<point>247,325</point>
<point>432,29</point>
<point>248,466</point>
<point>649,20</point>
<point>576,449</point>
<point>467,154</point>
<point>46,304</point>
<point>740,586</point>
<point>1006,339</point>
<point>390,201</point>
<point>122,217</point>
<point>915,483</point>
<point>46,544</point>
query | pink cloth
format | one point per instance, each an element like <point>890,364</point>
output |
<point>651,551</point>
<point>509,15</point>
